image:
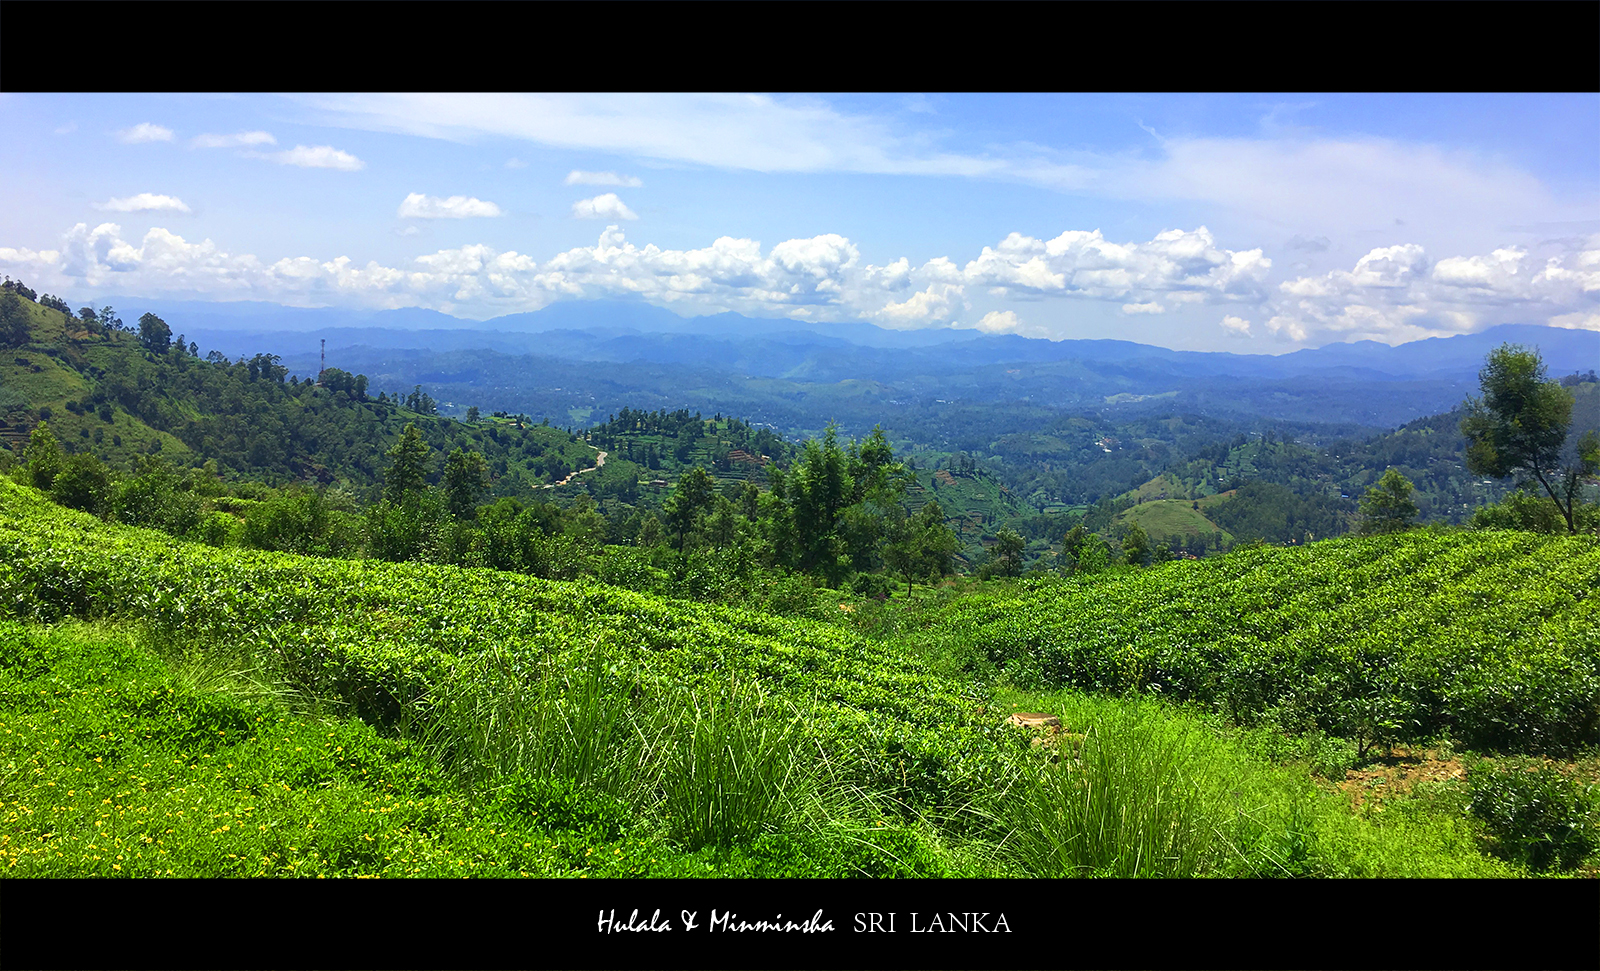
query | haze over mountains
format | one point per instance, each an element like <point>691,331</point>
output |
<point>576,358</point>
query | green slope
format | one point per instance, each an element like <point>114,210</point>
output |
<point>1492,638</point>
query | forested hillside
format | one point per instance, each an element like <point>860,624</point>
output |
<point>123,393</point>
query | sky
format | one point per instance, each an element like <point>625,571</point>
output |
<point>1252,223</point>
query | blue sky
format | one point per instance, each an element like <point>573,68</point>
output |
<point>1255,223</point>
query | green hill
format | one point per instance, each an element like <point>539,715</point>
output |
<point>103,392</point>
<point>1490,637</point>
<point>173,709</point>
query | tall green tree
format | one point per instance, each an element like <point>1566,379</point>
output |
<point>921,545</point>
<point>154,334</point>
<point>1519,426</point>
<point>407,475</point>
<point>689,501</point>
<point>1388,507</point>
<point>466,478</point>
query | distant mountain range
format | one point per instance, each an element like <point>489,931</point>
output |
<point>646,356</point>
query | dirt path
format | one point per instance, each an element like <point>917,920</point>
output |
<point>599,460</point>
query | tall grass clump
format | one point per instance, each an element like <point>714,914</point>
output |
<point>505,713</point>
<point>733,766</point>
<point>1128,803</point>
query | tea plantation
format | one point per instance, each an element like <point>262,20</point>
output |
<point>174,709</point>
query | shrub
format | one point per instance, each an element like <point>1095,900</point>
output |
<point>1534,815</point>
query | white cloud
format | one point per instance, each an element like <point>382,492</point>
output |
<point>320,157</point>
<point>144,202</point>
<point>144,132</point>
<point>1392,293</point>
<point>516,163</point>
<point>1000,322</point>
<point>1395,294</point>
<point>1325,186</point>
<point>936,303</point>
<point>577,177</point>
<point>1143,308</point>
<point>418,206</point>
<point>1175,264</point>
<point>736,131</point>
<point>244,139</point>
<point>1236,326</point>
<point>607,206</point>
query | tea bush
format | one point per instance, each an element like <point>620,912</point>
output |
<point>1534,815</point>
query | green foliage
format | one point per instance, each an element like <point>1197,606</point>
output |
<point>298,520</point>
<point>1520,425</point>
<point>1128,800</point>
<point>84,484</point>
<point>732,768</point>
<point>1387,507</point>
<point>15,321</point>
<point>466,478</point>
<point>156,498</point>
<point>1005,558</point>
<point>1136,546</point>
<point>1487,637</point>
<point>154,334</point>
<point>690,500</point>
<point>1535,514</point>
<point>1534,814</point>
<point>407,475</point>
<point>43,457</point>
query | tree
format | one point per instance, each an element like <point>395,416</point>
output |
<point>43,457</point>
<point>1006,556</point>
<point>83,483</point>
<point>1387,507</point>
<point>1519,427</point>
<point>407,475</point>
<point>14,331</point>
<point>154,334</point>
<point>472,415</point>
<point>466,476</point>
<point>1136,545</point>
<point>688,501</point>
<point>921,545</point>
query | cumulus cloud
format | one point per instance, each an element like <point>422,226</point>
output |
<point>144,132</point>
<point>243,139</point>
<point>936,303</point>
<point>607,206</point>
<point>516,163</point>
<point>1085,264</point>
<point>579,177</point>
<point>1396,293</point>
<point>418,206</point>
<point>1392,293</point>
<point>320,157</point>
<point>144,202</point>
<point>1236,326</point>
<point>1000,322</point>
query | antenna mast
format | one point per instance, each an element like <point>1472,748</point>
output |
<point>324,361</point>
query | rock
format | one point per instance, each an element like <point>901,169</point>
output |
<point>1024,720</point>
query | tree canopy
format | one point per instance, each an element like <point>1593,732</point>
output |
<point>1519,425</point>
